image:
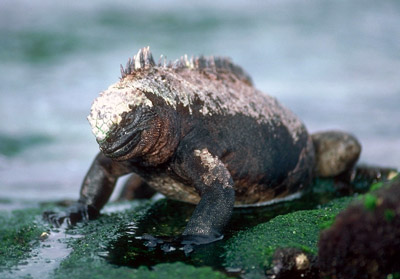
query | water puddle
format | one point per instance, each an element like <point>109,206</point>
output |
<point>44,259</point>
<point>167,218</point>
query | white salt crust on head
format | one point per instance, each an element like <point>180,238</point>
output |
<point>108,108</point>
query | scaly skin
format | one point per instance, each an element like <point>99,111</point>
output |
<point>199,132</point>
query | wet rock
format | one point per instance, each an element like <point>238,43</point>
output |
<point>292,263</point>
<point>364,240</point>
<point>44,236</point>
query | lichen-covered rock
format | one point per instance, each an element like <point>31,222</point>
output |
<point>364,241</point>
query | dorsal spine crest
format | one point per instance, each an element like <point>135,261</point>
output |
<point>144,60</point>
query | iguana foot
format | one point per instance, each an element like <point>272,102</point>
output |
<point>73,214</point>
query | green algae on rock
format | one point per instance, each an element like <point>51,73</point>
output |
<point>87,259</point>
<point>19,234</point>
<point>110,249</point>
<point>249,251</point>
<point>252,250</point>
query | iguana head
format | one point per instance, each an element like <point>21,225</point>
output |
<point>134,117</point>
<point>118,117</point>
<point>121,115</point>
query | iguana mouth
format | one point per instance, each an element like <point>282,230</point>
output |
<point>120,139</point>
<point>121,146</point>
<point>123,139</point>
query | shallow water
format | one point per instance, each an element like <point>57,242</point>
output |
<point>336,64</point>
<point>43,260</point>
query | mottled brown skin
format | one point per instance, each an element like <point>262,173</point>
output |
<point>216,142</point>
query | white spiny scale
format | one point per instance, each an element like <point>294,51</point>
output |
<point>137,59</point>
<point>122,71</point>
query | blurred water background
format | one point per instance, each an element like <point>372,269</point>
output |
<point>336,64</point>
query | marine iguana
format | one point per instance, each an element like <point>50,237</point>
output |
<point>197,131</point>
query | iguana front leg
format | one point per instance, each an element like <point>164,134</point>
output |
<point>95,191</point>
<point>215,185</point>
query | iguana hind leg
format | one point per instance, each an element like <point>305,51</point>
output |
<point>335,153</point>
<point>136,188</point>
